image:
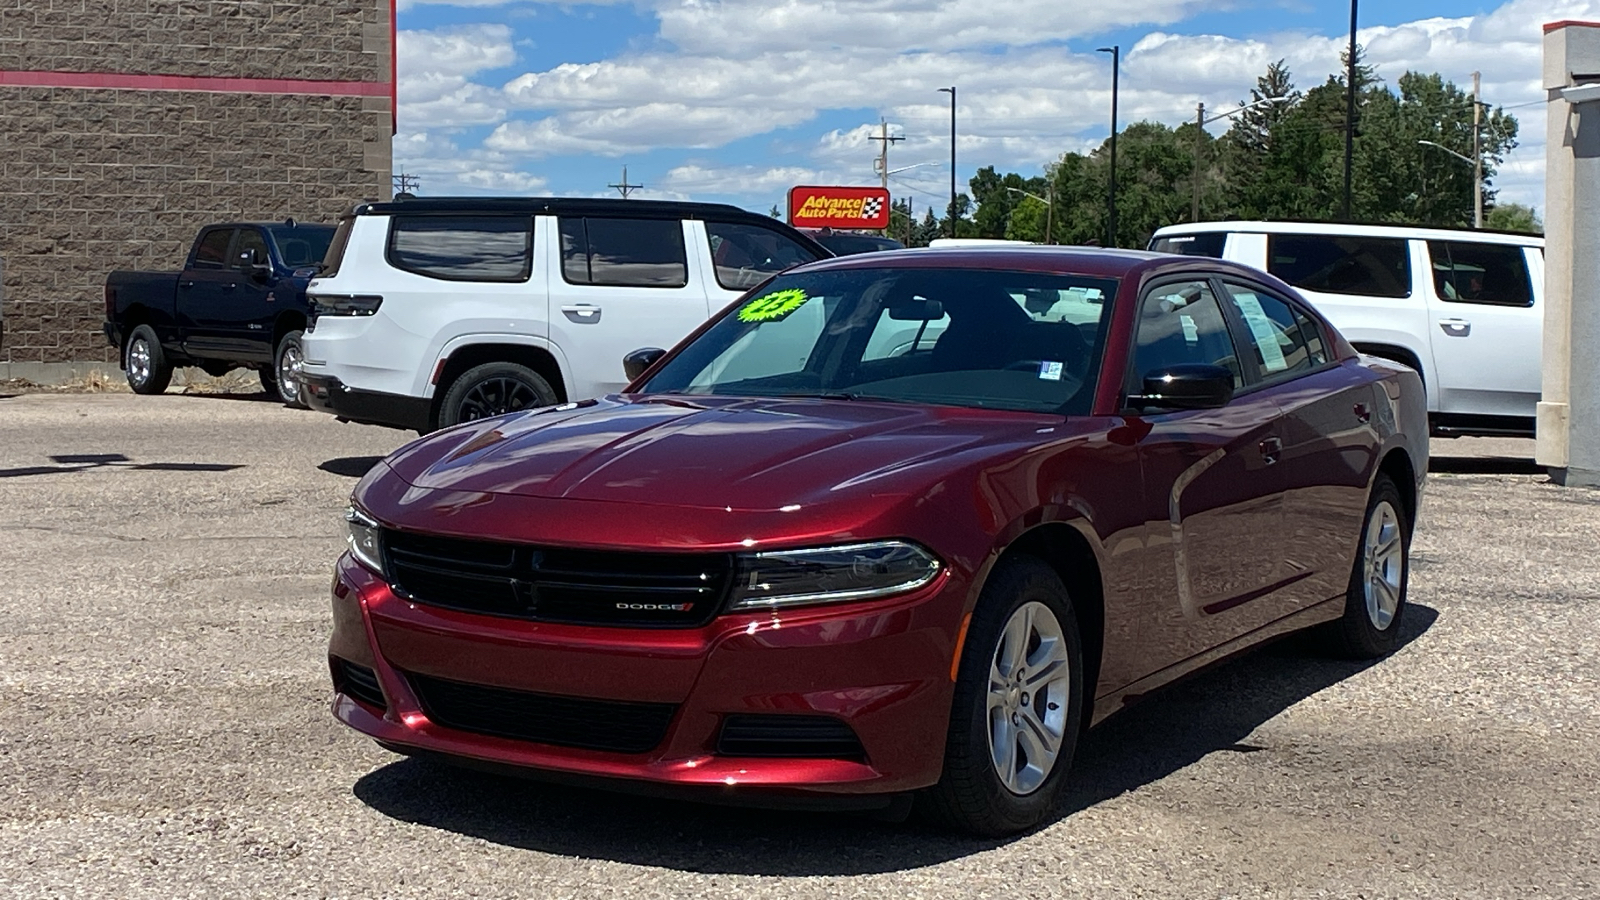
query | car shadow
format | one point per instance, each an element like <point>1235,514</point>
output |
<point>83,462</point>
<point>1212,712</point>
<point>257,396</point>
<point>1483,465</point>
<point>350,466</point>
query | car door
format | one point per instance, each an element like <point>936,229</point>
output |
<point>625,283</point>
<point>1486,328</point>
<point>1329,441</point>
<point>252,304</point>
<point>203,292</point>
<point>1212,489</point>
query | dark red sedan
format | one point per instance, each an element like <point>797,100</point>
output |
<point>889,527</point>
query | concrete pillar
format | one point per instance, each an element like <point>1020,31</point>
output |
<point>1569,413</point>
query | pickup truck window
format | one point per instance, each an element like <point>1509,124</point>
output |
<point>463,248</point>
<point>250,241</point>
<point>624,252</point>
<point>746,255</point>
<point>1341,264</point>
<point>212,251</point>
<point>301,244</point>
<point>1491,274</point>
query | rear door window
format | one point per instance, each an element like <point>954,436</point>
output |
<point>1341,264</point>
<point>212,251</point>
<point>1285,341</point>
<point>745,255</point>
<point>624,252</point>
<point>463,248</point>
<point>1208,243</point>
<point>1493,274</point>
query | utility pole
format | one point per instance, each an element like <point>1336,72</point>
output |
<point>952,92</point>
<point>1111,183</point>
<point>1350,112</point>
<point>625,188</point>
<point>883,152</point>
<point>405,184</point>
<point>1477,153</point>
<point>1199,137</point>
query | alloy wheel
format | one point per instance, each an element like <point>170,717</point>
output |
<point>1383,565</point>
<point>289,364</point>
<point>139,360</point>
<point>1029,683</point>
<point>497,396</point>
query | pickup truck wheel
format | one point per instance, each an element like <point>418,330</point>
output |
<point>493,389</point>
<point>144,362</point>
<point>287,365</point>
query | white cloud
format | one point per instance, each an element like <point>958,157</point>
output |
<point>435,70</point>
<point>444,168</point>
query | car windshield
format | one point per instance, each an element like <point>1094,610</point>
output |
<point>301,245</point>
<point>957,337</point>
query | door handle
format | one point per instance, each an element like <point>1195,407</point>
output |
<point>582,313</point>
<point>1270,448</point>
<point>1456,327</point>
<point>186,284</point>
<point>229,287</point>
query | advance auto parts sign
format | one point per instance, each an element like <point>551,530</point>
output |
<point>839,207</point>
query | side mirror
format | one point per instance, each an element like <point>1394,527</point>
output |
<point>635,363</point>
<point>1186,386</point>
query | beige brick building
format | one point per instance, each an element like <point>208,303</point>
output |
<point>125,125</point>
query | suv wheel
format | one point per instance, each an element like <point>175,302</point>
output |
<point>493,389</point>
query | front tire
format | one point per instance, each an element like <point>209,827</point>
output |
<point>1375,602</point>
<point>145,363</point>
<point>1018,706</point>
<point>493,389</point>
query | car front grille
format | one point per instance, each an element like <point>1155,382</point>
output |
<point>616,726</point>
<point>590,587</point>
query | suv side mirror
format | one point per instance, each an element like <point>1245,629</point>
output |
<point>635,363</point>
<point>1186,386</point>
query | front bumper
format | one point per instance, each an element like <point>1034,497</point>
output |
<point>883,669</point>
<point>328,394</point>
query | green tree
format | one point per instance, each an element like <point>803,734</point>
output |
<point>1513,217</point>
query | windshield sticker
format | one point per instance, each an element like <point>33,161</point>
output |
<point>774,306</point>
<point>1049,370</point>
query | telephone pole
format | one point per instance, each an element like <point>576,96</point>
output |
<point>405,184</point>
<point>883,152</point>
<point>625,188</point>
<point>1477,153</point>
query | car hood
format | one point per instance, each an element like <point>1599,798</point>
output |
<point>715,453</point>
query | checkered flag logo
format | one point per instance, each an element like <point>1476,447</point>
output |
<point>872,207</point>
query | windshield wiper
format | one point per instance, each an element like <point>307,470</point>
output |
<point>821,395</point>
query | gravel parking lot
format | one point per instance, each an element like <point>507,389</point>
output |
<point>164,732</point>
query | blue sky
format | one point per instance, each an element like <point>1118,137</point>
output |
<point>736,100</point>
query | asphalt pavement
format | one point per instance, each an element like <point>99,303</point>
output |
<point>164,725</point>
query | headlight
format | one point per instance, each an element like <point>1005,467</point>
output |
<point>781,578</point>
<point>366,538</point>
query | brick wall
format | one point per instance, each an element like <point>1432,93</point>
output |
<point>96,180</point>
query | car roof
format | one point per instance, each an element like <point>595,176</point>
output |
<point>1340,229</point>
<point>562,206</point>
<point>1092,261</point>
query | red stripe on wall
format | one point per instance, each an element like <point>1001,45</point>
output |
<point>118,81</point>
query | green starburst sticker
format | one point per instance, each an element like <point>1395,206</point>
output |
<point>774,306</point>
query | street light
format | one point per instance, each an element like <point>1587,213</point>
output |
<point>1200,122</point>
<point>1350,112</point>
<point>952,92</point>
<point>1111,189</point>
<point>1049,209</point>
<point>1477,179</point>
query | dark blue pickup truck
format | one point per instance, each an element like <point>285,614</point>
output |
<point>240,301</point>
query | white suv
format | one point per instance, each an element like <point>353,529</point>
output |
<point>1464,308</point>
<point>431,312</point>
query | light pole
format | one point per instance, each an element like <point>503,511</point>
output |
<point>1049,209</point>
<point>1200,122</point>
<point>1111,189</point>
<point>1477,178</point>
<point>951,90</point>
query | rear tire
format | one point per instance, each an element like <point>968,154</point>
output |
<point>145,363</point>
<point>1375,603</point>
<point>1018,706</point>
<point>493,389</point>
<point>286,366</point>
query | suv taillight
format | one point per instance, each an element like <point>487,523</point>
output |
<point>343,304</point>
